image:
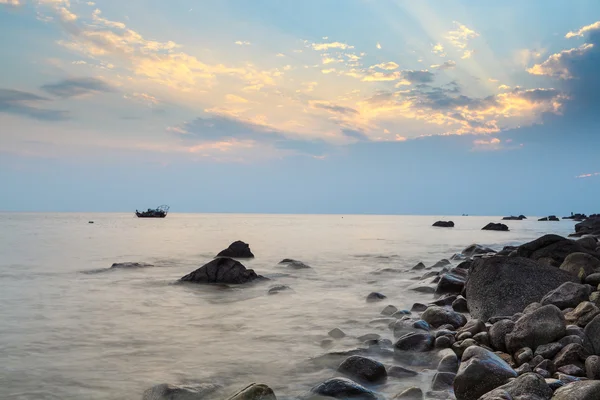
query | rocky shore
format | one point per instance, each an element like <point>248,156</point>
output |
<point>520,323</point>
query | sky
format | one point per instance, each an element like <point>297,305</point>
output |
<point>314,106</point>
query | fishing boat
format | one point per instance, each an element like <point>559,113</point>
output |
<point>158,212</point>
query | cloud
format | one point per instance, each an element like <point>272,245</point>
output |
<point>586,29</point>
<point>24,104</point>
<point>243,43</point>
<point>144,98</point>
<point>232,98</point>
<point>389,66</point>
<point>418,76</point>
<point>591,174</point>
<point>467,54</point>
<point>438,49</point>
<point>378,45</point>
<point>504,87</point>
<point>483,142</point>
<point>524,57</point>
<point>74,87</point>
<point>558,65</point>
<point>444,66</point>
<point>10,2</point>
<point>461,36</point>
<point>333,108</point>
<point>332,45</point>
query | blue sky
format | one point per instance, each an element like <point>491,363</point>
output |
<point>337,106</point>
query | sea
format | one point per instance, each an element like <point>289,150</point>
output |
<point>72,328</point>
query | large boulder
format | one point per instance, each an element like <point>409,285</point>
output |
<point>580,390</point>
<point>528,386</point>
<point>567,295</point>
<point>552,247</point>
<point>363,369</point>
<point>166,391</point>
<point>492,226</point>
<point>480,372</point>
<point>444,224</point>
<point>542,326</point>
<point>581,265</point>
<point>437,316</point>
<point>237,249</point>
<point>589,226</point>
<point>500,286</point>
<point>342,388</point>
<point>222,270</point>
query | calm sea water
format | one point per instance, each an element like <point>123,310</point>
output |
<point>72,329</point>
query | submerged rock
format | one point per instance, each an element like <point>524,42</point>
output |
<point>343,388</point>
<point>337,333</point>
<point>375,296</point>
<point>476,250</point>
<point>254,391</point>
<point>131,265</point>
<point>294,264</point>
<point>495,227</point>
<point>279,289</point>
<point>363,369</point>
<point>444,224</point>
<point>237,249</point>
<point>412,393</point>
<point>514,218</point>
<point>222,270</point>
<point>167,391</point>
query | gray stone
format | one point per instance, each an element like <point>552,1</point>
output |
<point>448,363</point>
<point>418,307</point>
<point>592,367</point>
<point>506,285</point>
<point>498,333</point>
<point>437,316</point>
<point>571,354</point>
<point>342,388</point>
<point>237,249</point>
<point>464,335</point>
<point>554,383</point>
<point>363,369</point>
<point>397,371</point>
<point>415,341</point>
<point>589,242</point>
<point>532,307</point>
<point>167,391</point>
<point>473,326</point>
<point>375,296</point>
<point>278,289</point>
<point>483,338</point>
<point>222,270</point>
<point>583,314</point>
<point>572,370</point>
<point>523,355</point>
<point>546,365</point>
<point>389,310</point>
<point>523,369</point>
<point>582,390</point>
<point>418,267</point>
<point>476,249</point>
<point>460,304</point>
<point>369,336</point>
<point>480,372</point>
<point>543,373</point>
<point>460,347</point>
<point>548,350</point>
<point>528,386</point>
<point>452,282</point>
<point>412,393</point>
<point>571,339</point>
<point>593,279</point>
<point>553,247</point>
<point>592,334</point>
<point>336,333</point>
<point>444,342</point>
<point>581,265</point>
<point>567,295</point>
<point>445,300</point>
<point>575,330</point>
<point>294,264</point>
<point>544,325</point>
<point>442,381</point>
<point>254,391</point>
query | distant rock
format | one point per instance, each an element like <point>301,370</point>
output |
<point>279,288</point>
<point>237,249</point>
<point>590,226</point>
<point>131,265</point>
<point>549,218</point>
<point>513,218</point>
<point>444,224</point>
<point>167,391</point>
<point>375,296</point>
<point>294,264</point>
<point>222,270</point>
<point>492,226</point>
<point>576,217</point>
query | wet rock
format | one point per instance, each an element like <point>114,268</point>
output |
<point>423,289</point>
<point>523,369</point>
<point>389,310</point>
<point>498,333</point>
<point>473,326</point>
<point>130,265</point>
<point>397,371</point>
<point>445,300</point>
<point>483,338</point>
<point>581,265</point>
<point>548,350</point>
<point>443,342</point>
<point>452,282</point>
<point>514,218</point>
<point>342,388</point>
<point>476,250</point>
<point>167,391</point>
<point>294,264</point>
<point>460,347</point>
<point>418,307</point>
<point>582,390</point>
<point>254,392</point>
<point>237,249</point>
<point>554,383</point>
<point>583,314</point>
<point>363,369</point>
<point>444,224</point>
<point>336,333</point>
<point>418,267</point>
<point>495,227</point>
<point>592,367</point>
<point>442,381</point>
<point>544,325</point>
<point>430,274</point>
<point>523,356</point>
<point>593,279</point>
<point>422,325</point>
<point>460,305</point>
<point>412,393</point>
<point>326,343</point>
<point>570,340</point>
<point>222,270</point>
<point>401,313</point>
<point>437,316</point>
<point>415,341</point>
<point>572,370</point>
<point>375,296</point>
<point>592,334</point>
<point>571,354</point>
<point>442,263</point>
<point>553,247</point>
<point>480,372</point>
<point>369,336</point>
<point>528,386</point>
<point>279,289</point>
<point>567,295</point>
<point>546,365</point>
<point>543,373</point>
<point>500,286</point>
<point>448,363</point>
<point>464,335</point>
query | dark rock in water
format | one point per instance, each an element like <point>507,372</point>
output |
<point>423,289</point>
<point>397,371</point>
<point>418,267</point>
<point>438,316</point>
<point>495,227</point>
<point>337,333</point>
<point>294,264</point>
<point>544,325</point>
<point>528,386</point>
<point>363,369</point>
<point>412,393</point>
<point>415,341</point>
<point>581,390</point>
<point>222,270</point>
<point>418,307</point>
<point>583,314</point>
<point>567,295</point>
<point>460,304</point>
<point>592,367</point>
<point>552,247</point>
<point>506,250</point>
<point>132,265</point>
<point>444,224</point>
<point>506,285</point>
<point>369,337</point>
<point>254,391</point>
<point>550,218</point>
<point>513,218</point>
<point>389,310</point>
<point>452,282</point>
<point>279,289</point>
<point>442,381</point>
<point>375,296</point>
<point>342,388</point>
<point>422,325</point>
<point>167,391</point>
<point>581,265</point>
<point>445,300</point>
<point>442,263</point>
<point>237,249</point>
<point>448,363</point>
<point>476,250</point>
<point>480,372</point>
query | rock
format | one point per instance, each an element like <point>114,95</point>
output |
<point>412,393</point>
<point>528,386</point>
<point>498,333</point>
<point>336,333</point>
<point>554,247</point>
<point>523,355</point>
<point>443,342</point>
<point>505,285</point>
<point>418,307</point>
<point>480,372</point>
<point>368,337</point>
<point>402,313</point>
<point>222,270</point>
<point>448,363</point>
<point>445,300</point>
<point>418,267</point>
<point>588,227</point>
<point>593,279</point>
<point>567,378</point>
<point>548,350</point>
<point>523,369</point>
<point>595,298</point>
<point>415,341</point>
<point>422,325</point>
<point>544,325</point>
<point>532,307</point>
<point>130,265</point>
<point>237,249</point>
<point>550,218</point>
<point>437,316</point>
<point>554,383</point>
<point>254,392</point>
<point>567,295</point>
<point>423,289</point>
<point>570,340</point>
<point>495,227</point>
<point>575,330</point>
<point>464,335</point>
<point>592,367</point>
<point>583,314</point>
<point>543,373</point>
<point>452,282</point>
<point>397,371</point>
<point>167,391</point>
<point>546,365</point>
<point>572,370</point>
<point>442,263</point>
<point>294,264</point>
<point>326,343</point>
<point>460,347</point>
<point>573,353</point>
<point>279,289</point>
<point>342,388</point>
<point>483,338</point>
<point>389,310</point>
<point>589,242</point>
<point>375,296</point>
<point>442,381</point>
<point>473,326</point>
<point>444,224</point>
<point>514,218</point>
<point>581,265</point>
<point>460,304</point>
<point>581,390</point>
<point>363,369</point>
<point>475,250</point>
